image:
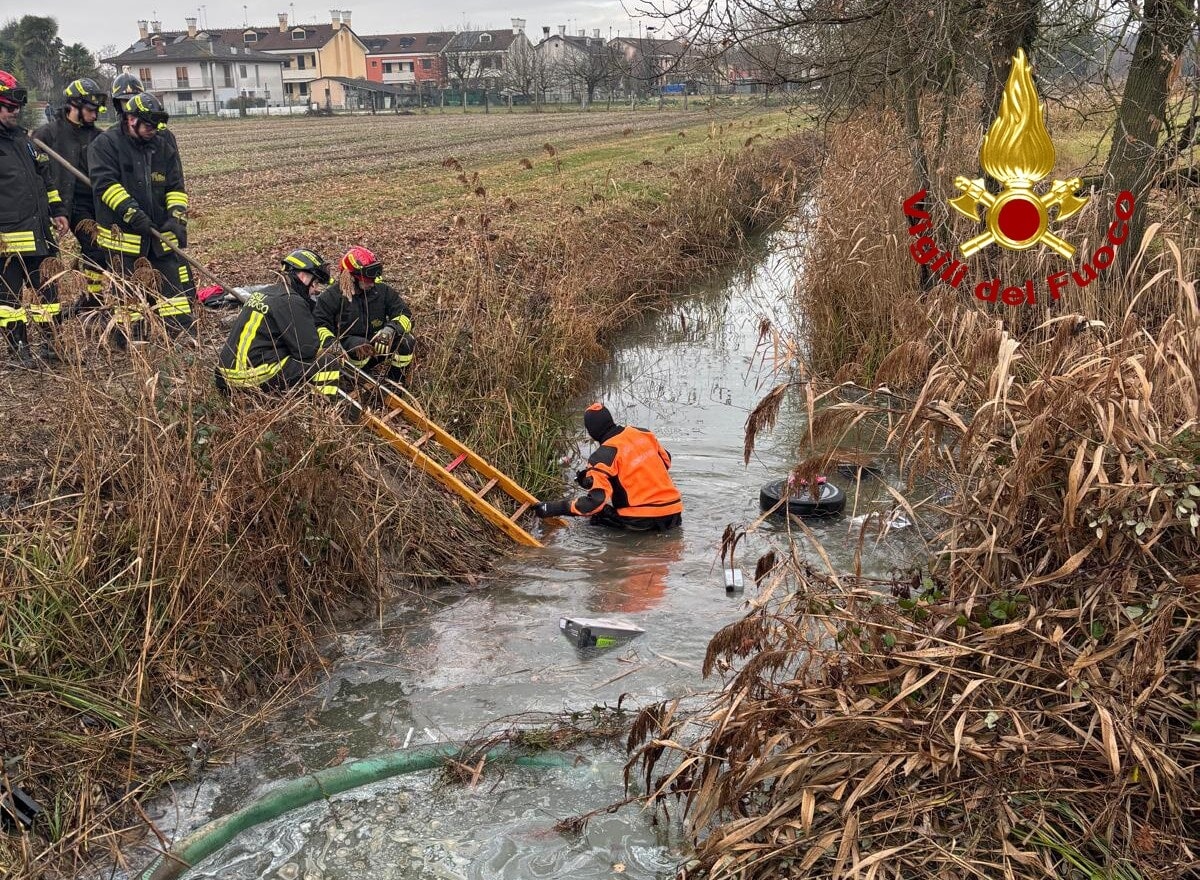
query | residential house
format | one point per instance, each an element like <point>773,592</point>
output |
<point>648,65</point>
<point>307,51</point>
<point>575,65</point>
<point>413,61</point>
<point>194,71</point>
<point>480,61</point>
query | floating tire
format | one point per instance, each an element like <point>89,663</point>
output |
<point>831,502</point>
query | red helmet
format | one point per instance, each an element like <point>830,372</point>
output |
<point>362,263</point>
<point>11,92</point>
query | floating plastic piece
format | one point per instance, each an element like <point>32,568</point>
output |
<point>734,581</point>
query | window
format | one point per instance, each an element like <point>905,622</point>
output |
<point>181,77</point>
<point>242,71</point>
<point>426,63</point>
<point>485,38</point>
<point>227,74</point>
<point>374,63</point>
<point>300,61</point>
<point>287,62</point>
<point>144,76</point>
<point>486,62</point>
<point>406,66</point>
<point>185,96</point>
<point>250,37</point>
<point>304,88</point>
<point>299,34</point>
<point>387,67</point>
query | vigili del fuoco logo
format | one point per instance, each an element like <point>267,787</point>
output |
<point>1018,153</point>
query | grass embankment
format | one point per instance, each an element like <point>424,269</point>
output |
<point>170,563</point>
<point>1028,707</point>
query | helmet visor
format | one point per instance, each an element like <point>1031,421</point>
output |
<point>96,102</point>
<point>17,97</point>
<point>152,117</point>
<point>371,270</point>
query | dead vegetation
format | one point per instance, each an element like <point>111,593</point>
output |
<point>1027,708</point>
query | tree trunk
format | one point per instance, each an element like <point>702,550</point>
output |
<point>1013,25</point>
<point>1132,162</point>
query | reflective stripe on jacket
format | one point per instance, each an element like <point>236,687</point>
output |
<point>275,324</point>
<point>28,198</point>
<point>129,175</point>
<point>629,471</point>
<point>353,322</point>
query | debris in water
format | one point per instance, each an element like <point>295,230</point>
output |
<point>595,632</point>
<point>734,582</point>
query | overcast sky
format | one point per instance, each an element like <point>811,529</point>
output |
<point>114,22</point>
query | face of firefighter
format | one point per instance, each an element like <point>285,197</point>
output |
<point>85,114</point>
<point>139,130</point>
<point>9,115</point>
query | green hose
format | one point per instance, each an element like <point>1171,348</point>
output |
<point>209,838</point>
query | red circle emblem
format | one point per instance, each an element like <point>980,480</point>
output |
<point>1019,219</point>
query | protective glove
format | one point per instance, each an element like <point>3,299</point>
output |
<point>384,341</point>
<point>179,230</point>
<point>583,479</point>
<point>544,509</point>
<point>139,222</point>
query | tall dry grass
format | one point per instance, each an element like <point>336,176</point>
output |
<point>1029,707</point>
<point>171,563</point>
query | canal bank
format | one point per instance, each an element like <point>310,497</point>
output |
<point>484,655</point>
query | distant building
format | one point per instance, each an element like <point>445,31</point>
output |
<point>648,64</point>
<point>196,71</point>
<point>570,60</point>
<point>306,52</point>
<point>481,60</point>
<point>413,61</point>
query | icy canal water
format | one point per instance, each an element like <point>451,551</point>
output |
<point>445,670</point>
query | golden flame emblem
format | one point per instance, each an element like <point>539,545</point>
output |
<point>1018,152</point>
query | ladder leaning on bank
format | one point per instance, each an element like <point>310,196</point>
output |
<point>413,435</point>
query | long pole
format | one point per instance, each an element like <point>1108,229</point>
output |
<point>84,179</point>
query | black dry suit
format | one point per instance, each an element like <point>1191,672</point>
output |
<point>354,322</point>
<point>273,345</point>
<point>71,141</point>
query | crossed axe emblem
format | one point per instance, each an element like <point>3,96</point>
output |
<point>1012,214</point>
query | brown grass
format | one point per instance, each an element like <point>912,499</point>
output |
<point>1029,707</point>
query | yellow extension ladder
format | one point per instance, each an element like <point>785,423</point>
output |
<point>433,442</point>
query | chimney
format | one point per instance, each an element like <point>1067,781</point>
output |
<point>562,30</point>
<point>335,16</point>
<point>595,33</point>
<point>546,32</point>
<point>156,27</point>
<point>143,30</point>
<point>191,23</point>
<point>283,22</point>
<point>346,17</point>
<point>518,25</point>
<point>582,32</point>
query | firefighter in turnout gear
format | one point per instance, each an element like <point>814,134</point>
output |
<point>29,206</point>
<point>137,182</point>
<point>626,478</point>
<point>273,344</point>
<point>69,133</point>
<point>373,325</point>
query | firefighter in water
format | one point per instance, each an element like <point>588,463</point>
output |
<point>626,479</point>
<point>273,344</point>
<point>69,133</point>
<point>29,206</point>
<point>373,326</point>
<point>137,181</point>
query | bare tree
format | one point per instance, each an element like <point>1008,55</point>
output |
<point>587,67</point>
<point>464,66</point>
<point>524,73</point>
